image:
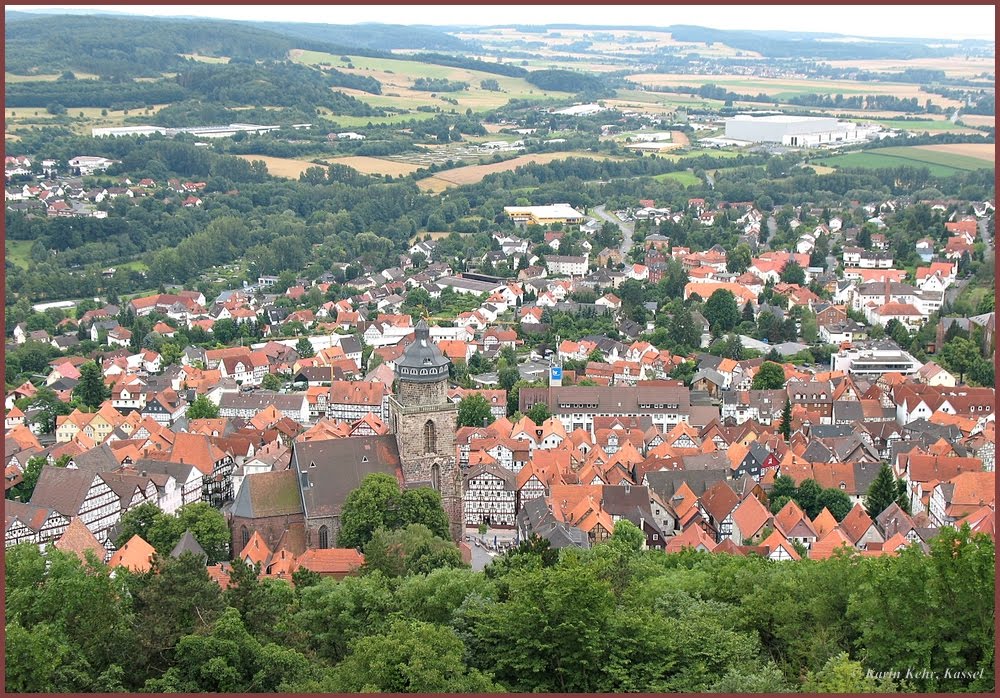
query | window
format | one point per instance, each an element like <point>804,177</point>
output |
<point>430,437</point>
<point>246,535</point>
<point>436,476</point>
<point>324,537</point>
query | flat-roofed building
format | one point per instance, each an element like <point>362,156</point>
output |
<point>545,215</point>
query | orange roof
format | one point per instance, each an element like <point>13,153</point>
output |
<point>255,551</point>
<point>334,561</point>
<point>692,537</point>
<point>751,516</point>
<point>856,523</point>
<point>824,523</point>
<point>824,547</point>
<point>136,555</point>
<point>777,541</point>
<point>78,539</point>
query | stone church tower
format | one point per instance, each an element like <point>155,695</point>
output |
<point>425,422</point>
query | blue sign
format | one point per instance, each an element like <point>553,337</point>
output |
<point>556,373</point>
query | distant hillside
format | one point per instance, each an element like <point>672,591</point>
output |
<point>379,37</point>
<point>129,47</point>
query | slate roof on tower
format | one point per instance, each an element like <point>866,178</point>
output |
<point>422,362</point>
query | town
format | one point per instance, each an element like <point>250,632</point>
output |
<point>621,365</point>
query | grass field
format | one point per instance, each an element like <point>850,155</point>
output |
<point>935,125</point>
<point>940,163</point>
<point>684,178</point>
<point>91,117</point>
<point>17,251</point>
<point>471,174</point>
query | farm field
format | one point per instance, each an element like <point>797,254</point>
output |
<point>370,165</point>
<point>397,77</point>
<point>980,151</point>
<point>471,174</point>
<point>282,167</point>
<point>940,163</point>
<point>786,87</point>
<point>959,67</point>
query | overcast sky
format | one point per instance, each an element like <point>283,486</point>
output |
<point>925,21</point>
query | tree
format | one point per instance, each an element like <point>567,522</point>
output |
<point>784,486</point>
<point>807,497</point>
<point>91,390</point>
<point>835,501</point>
<point>840,674</point>
<point>304,348</point>
<point>793,273</point>
<point>379,503</point>
<point>786,419</point>
<point>409,657</point>
<point>538,413</point>
<point>23,490</point>
<point>628,535</point>
<point>684,334</point>
<point>508,376</point>
<point>228,659</point>
<point>883,491</point>
<point>960,355</point>
<point>49,407</point>
<point>176,598</point>
<point>202,408</point>
<point>770,376</point>
<point>164,531</point>
<point>721,311</point>
<point>411,550</point>
<point>474,411</point>
<point>271,381</point>
<point>740,259</point>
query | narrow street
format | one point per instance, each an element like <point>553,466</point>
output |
<point>627,227</point>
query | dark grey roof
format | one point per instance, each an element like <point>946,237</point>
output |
<point>62,489</point>
<point>816,452</point>
<point>97,460</point>
<point>188,544</point>
<point>831,431</point>
<point>422,362</point>
<point>716,460</point>
<point>665,482</point>
<point>329,470</point>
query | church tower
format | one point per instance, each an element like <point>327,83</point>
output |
<point>425,422</point>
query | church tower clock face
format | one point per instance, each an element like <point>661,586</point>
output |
<point>426,421</point>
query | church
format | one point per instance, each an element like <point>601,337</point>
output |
<point>300,508</point>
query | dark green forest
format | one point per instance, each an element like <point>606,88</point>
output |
<point>609,619</point>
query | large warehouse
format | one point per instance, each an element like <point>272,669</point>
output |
<point>793,130</point>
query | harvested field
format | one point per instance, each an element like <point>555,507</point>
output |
<point>787,87</point>
<point>475,173</point>
<point>978,120</point>
<point>282,167</point>
<point>980,151</point>
<point>953,66</point>
<point>370,165</point>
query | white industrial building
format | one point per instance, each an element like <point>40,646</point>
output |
<point>795,131</point>
<point>874,359</point>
